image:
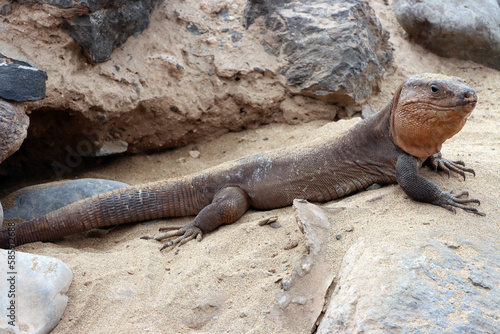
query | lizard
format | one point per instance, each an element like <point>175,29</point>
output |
<point>387,147</point>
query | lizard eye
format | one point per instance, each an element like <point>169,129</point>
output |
<point>434,88</point>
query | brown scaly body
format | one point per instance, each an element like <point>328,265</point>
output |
<point>388,147</point>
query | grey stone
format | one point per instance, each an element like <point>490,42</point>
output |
<point>454,28</point>
<point>35,201</point>
<point>21,83</point>
<point>13,129</point>
<point>335,50</point>
<point>432,288</point>
<point>111,148</point>
<point>109,25</point>
<point>33,288</point>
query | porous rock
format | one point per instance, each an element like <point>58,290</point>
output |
<point>454,28</point>
<point>35,201</point>
<point>13,128</point>
<point>335,50</point>
<point>33,290</point>
<point>423,287</point>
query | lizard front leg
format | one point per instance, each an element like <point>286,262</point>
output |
<point>438,162</point>
<point>228,205</point>
<point>424,190</point>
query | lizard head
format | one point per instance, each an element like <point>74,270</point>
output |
<point>427,110</point>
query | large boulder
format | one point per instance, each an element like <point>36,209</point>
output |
<point>454,28</point>
<point>334,50</point>
<point>424,285</point>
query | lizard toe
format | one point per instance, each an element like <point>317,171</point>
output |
<point>451,201</point>
<point>186,234</point>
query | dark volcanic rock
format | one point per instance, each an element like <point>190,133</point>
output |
<point>454,28</point>
<point>109,26</point>
<point>336,50</point>
<point>35,201</point>
<point>21,83</point>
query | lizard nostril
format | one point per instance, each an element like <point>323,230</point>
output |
<point>468,94</point>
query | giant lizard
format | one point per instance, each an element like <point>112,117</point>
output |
<point>388,147</point>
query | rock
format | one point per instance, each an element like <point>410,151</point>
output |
<point>33,289</point>
<point>109,25</point>
<point>195,154</point>
<point>431,288</point>
<point>441,26</point>
<point>21,83</point>
<point>111,148</point>
<point>300,304</point>
<point>335,50</point>
<point>35,201</point>
<point>13,128</point>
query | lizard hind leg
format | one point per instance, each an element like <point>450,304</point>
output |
<point>228,205</point>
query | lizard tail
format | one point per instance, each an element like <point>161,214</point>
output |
<point>126,205</point>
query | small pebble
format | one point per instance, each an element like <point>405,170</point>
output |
<point>291,245</point>
<point>338,236</point>
<point>194,154</point>
<point>349,228</point>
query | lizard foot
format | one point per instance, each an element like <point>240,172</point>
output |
<point>439,163</point>
<point>184,233</point>
<point>451,201</point>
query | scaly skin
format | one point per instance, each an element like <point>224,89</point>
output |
<point>388,147</point>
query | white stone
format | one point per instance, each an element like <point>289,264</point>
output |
<point>37,293</point>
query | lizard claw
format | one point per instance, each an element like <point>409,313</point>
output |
<point>439,163</point>
<point>184,233</point>
<point>451,201</point>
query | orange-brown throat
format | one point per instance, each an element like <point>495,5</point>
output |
<point>420,128</point>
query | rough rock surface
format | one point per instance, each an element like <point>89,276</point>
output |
<point>335,50</point>
<point>35,201</point>
<point>33,290</point>
<point>422,286</point>
<point>454,28</point>
<point>21,82</point>
<point>13,129</point>
<point>109,25</point>
<point>194,74</point>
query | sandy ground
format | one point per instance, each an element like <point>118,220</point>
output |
<point>228,282</point>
